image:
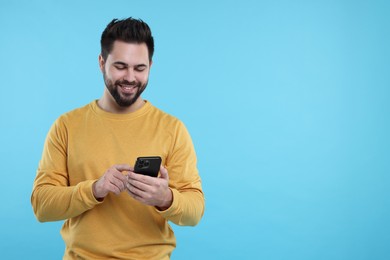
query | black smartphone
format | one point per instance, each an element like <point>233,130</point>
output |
<point>149,165</point>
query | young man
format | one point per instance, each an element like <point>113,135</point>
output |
<point>86,175</point>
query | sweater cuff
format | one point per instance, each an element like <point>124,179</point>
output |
<point>86,189</point>
<point>172,210</point>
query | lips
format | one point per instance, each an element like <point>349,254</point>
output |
<point>128,89</point>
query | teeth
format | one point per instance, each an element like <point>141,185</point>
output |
<point>127,87</point>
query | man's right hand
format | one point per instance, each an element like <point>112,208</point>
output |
<point>113,180</point>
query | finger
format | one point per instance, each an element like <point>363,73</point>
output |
<point>114,189</point>
<point>140,185</point>
<point>140,177</point>
<point>137,197</point>
<point>117,179</point>
<point>164,173</point>
<point>121,186</point>
<point>123,167</point>
<point>119,176</point>
<point>135,191</point>
<point>110,186</point>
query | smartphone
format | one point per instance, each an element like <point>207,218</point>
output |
<point>149,165</point>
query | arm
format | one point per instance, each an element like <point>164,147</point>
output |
<point>188,200</point>
<point>156,192</point>
<point>178,197</point>
<point>187,205</point>
<point>187,208</point>
<point>51,202</point>
<point>52,198</point>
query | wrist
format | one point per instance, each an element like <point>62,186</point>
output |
<point>167,202</point>
<point>95,193</point>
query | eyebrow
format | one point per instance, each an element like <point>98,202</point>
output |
<point>121,63</point>
<point>127,65</point>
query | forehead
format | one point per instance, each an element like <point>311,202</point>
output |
<point>130,53</point>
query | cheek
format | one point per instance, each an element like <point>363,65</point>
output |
<point>142,77</point>
<point>115,75</point>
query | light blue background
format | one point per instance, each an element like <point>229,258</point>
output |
<point>287,103</point>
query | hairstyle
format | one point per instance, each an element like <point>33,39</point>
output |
<point>128,30</point>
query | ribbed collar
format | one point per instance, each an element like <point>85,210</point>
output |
<point>129,116</point>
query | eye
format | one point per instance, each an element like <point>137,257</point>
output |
<point>119,67</point>
<point>140,68</point>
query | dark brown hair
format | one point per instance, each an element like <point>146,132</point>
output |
<point>128,30</point>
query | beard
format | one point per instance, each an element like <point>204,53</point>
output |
<point>121,99</point>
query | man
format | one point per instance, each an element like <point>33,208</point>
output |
<point>86,175</point>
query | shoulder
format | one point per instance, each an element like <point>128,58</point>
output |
<point>165,118</point>
<point>74,116</point>
<point>171,125</point>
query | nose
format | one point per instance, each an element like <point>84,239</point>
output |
<point>130,75</point>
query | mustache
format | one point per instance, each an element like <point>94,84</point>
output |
<point>127,83</point>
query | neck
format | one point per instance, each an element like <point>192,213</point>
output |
<point>109,105</point>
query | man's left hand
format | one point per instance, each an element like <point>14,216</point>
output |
<point>150,190</point>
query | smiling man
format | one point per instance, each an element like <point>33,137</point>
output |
<point>125,71</point>
<point>86,175</point>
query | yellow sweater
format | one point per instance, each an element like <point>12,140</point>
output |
<point>80,147</point>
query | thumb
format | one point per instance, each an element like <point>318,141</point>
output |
<point>164,173</point>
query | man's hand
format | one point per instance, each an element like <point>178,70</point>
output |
<point>113,180</point>
<point>150,190</point>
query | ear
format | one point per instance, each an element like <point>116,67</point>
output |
<point>150,63</point>
<point>101,63</point>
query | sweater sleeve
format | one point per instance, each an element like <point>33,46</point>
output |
<point>188,200</point>
<point>52,198</point>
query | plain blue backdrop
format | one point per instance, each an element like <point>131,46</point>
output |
<point>287,103</point>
